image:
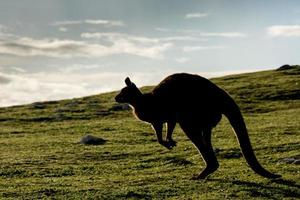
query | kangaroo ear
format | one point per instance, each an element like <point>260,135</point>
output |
<point>128,81</point>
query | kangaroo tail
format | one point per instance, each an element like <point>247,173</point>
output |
<point>237,122</point>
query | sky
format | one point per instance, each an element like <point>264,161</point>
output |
<point>57,49</point>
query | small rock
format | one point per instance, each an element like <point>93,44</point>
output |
<point>291,160</point>
<point>38,105</point>
<point>92,140</point>
<point>72,104</point>
<point>120,107</point>
<point>60,117</point>
<point>297,162</point>
<point>288,160</point>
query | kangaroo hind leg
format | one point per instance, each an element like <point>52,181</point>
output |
<point>208,154</point>
<point>202,141</point>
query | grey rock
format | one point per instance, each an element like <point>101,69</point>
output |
<point>120,107</point>
<point>92,140</point>
<point>292,160</point>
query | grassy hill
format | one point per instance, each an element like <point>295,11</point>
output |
<point>41,156</point>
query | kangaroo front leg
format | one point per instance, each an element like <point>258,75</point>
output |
<point>158,127</point>
<point>170,128</point>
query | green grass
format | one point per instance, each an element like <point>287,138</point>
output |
<point>41,157</point>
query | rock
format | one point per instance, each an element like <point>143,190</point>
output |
<point>288,67</point>
<point>38,105</point>
<point>92,140</point>
<point>60,117</point>
<point>297,162</point>
<point>72,104</point>
<point>292,160</point>
<point>287,160</point>
<point>284,67</point>
<point>120,107</point>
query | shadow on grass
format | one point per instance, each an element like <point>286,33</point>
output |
<point>236,152</point>
<point>281,147</point>
<point>283,187</point>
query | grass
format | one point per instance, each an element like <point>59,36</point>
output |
<point>41,156</point>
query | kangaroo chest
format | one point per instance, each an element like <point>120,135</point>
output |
<point>152,114</point>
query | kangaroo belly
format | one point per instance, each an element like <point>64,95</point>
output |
<point>204,120</point>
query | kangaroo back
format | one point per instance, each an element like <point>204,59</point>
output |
<point>232,112</point>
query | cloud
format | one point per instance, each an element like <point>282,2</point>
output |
<point>197,33</point>
<point>148,47</point>
<point>63,29</point>
<point>143,40</point>
<point>57,48</point>
<point>79,68</point>
<point>44,47</point>
<point>223,34</point>
<point>4,79</point>
<point>196,15</point>
<point>17,89</point>
<point>107,23</point>
<point>201,48</point>
<point>182,60</point>
<point>119,36</point>
<point>284,31</point>
<point>66,23</point>
<point>183,38</point>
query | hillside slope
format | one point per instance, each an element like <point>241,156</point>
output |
<point>41,157</point>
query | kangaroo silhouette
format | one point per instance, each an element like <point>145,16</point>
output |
<point>197,105</point>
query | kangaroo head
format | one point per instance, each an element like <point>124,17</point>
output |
<point>128,94</point>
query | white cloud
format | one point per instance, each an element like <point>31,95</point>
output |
<point>118,36</point>
<point>183,38</point>
<point>196,15</point>
<point>79,68</point>
<point>63,29</point>
<point>66,23</point>
<point>182,60</point>
<point>201,48</point>
<point>198,33</point>
<point>18,69</point>
<point>107,23</point>
<point>139,39</point>
<point>284,30</point>
<point>17,89</point>
<point>149,47</point>
<point>58,48</point>
<point>222,34</point>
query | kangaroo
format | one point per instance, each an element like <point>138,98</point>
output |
<point>197,105</point>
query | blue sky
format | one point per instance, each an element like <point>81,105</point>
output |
<point>56,49</point>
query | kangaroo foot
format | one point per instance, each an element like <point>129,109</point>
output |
<point>171,142</point>
<point>205,173</point>
<point>165,144</point>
